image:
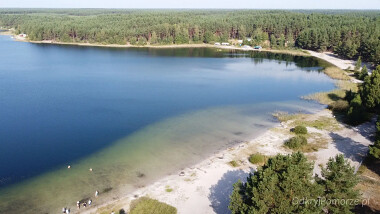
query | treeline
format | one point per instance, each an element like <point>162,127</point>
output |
<point>349,33</point>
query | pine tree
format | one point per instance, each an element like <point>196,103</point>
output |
<point>358,64</point>
<point>339,182</point>
<point>275,188</point>
<point>370,90</point>
<point>363,73</point>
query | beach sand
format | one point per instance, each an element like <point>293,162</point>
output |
<point>337,61</point>
<point>205,188</point>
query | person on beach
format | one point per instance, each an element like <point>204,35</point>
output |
<point>96,193</point>
<point>113,212</point>
<point>89,202</point>
<point>64,210</point>
<point>78,204</point>
<point>67,211</point>
<point>84,204</point>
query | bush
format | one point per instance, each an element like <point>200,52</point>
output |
<point>256,158</point>
<point>339,106</point>
<point>300,129</point>
<point>233,163</point>
<point>296,142</point>
<point>147,205</point>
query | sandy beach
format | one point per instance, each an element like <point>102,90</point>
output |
<point>336,60</point>
<point>205,188</point>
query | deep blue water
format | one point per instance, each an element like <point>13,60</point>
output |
<point>62,103</point>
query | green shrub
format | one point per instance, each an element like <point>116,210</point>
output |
<point>296,142</point>
<point>256,158</point>
<point>300,129</point>
<point>233,163</point>
<point>339,106</point>
<point>145,205</point>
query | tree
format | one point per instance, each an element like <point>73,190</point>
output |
<point>370,90</point>
<point>374,150</point>
<point>276,186</point>
<point>358,64</point>
<point>153,38</point>
<point>284,183</point>
<point>273,41</point>
<point>339,182</point>
<point>363,73</point>
<point>356,112</point>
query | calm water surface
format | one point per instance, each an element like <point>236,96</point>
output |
<point>128,112</point>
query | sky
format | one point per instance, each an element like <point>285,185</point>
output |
<point>246,4</point>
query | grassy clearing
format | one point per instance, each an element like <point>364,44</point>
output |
<point>336,73</point>
<point>145,205</point>
<point>293,52</point>
<point>321,123</point>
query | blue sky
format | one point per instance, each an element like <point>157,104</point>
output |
<point>256,4</point>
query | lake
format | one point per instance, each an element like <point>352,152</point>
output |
<point>132,115</point>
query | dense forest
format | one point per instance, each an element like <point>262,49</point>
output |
<point>348,33</point>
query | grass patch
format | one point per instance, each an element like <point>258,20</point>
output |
<point>327,98</point>
<point>336,95</point>
<point>233,163</point>
<point>145,205</point>
<point>284,116</point>
<point>336,73</point>
<point>322,123</point>
<point>293,52</point>
<point>168,189</point>
<point>257,158</point>
<point>315,143</point>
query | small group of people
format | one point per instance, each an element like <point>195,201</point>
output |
<point>84,204</point>
<point>66,210</point>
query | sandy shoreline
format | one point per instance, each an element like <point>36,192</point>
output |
<point>336,60</point>
<point>205,187</point>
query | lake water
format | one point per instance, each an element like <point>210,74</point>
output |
<point>133,115</point>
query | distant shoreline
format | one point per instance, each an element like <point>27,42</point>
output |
<point>200,45</point>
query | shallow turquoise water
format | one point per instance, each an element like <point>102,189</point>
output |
<point>127,112</point>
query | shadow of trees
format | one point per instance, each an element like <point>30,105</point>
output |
<point>350,148</point>
<point>220,192</point>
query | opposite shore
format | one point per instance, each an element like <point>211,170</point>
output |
<point>295,52</point>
